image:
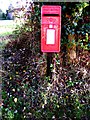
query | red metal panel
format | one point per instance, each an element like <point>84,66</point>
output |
<point>50,28</point>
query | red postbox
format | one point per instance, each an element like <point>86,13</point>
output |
<point>50,28</point>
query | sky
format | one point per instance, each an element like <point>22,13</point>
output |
<point>5,3</point>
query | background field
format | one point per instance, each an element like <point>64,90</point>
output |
<point>6,27</point>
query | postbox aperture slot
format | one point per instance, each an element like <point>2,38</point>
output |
<point>53,15</point>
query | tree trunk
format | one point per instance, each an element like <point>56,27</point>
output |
<point>71,48</point>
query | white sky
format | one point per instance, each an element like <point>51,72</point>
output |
<point>5,3</point>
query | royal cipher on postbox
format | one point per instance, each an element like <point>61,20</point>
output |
<point>50,28</point>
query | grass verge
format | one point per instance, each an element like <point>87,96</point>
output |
<point>6,27</point>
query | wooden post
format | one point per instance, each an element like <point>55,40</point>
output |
<point>49,61</point>
<point>54,69</point>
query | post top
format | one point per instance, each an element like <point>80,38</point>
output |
<point>51,9</point>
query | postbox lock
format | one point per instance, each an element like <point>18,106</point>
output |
<point>50,26</point>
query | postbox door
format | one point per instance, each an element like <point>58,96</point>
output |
<point>50,39</point>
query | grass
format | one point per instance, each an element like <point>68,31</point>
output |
<point>7,27</point>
